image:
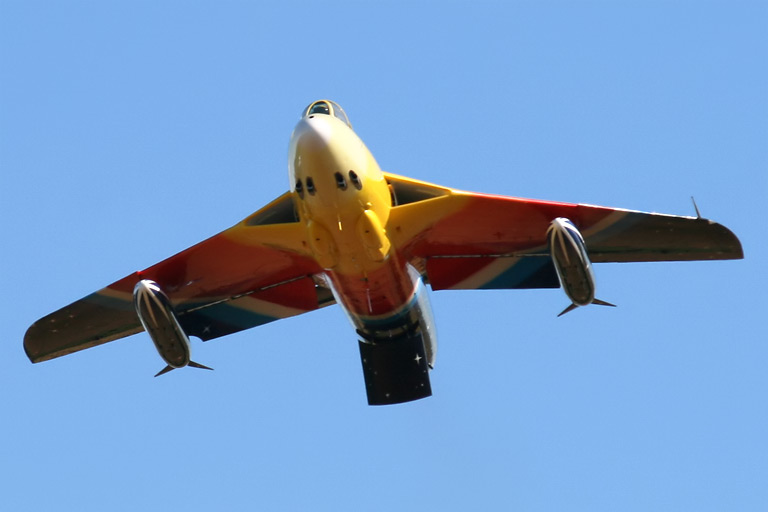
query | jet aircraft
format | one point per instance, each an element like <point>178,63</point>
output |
<point>348,233</point>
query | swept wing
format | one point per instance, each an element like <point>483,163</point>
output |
<point>465,240</point>
<point>252,273</point>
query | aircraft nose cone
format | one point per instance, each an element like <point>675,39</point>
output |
<point>313,133</point>
<point>317,151</point>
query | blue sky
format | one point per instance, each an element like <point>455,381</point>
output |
<point>131,130</point>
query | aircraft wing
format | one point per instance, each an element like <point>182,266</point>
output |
<point>253,273</point>
<point>469,241</point>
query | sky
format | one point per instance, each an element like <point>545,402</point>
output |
<point>132,130</point>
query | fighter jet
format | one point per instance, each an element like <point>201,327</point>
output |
<point>370,241</point>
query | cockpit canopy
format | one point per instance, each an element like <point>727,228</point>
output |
<point>328,108</point>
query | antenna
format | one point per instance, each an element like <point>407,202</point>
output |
<point>698,213</point>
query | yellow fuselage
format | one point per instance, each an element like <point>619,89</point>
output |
<point>345,202</point>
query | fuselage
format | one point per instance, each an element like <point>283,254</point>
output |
<point>344,201</point>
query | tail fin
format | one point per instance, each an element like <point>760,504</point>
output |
<point>191,363</point>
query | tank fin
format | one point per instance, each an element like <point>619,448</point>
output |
<point>164,370</point>
<point>594,301</point>
<point>198,365</point>
<point>191,363</point>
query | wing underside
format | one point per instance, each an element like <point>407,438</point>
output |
<point>248,275</point>
<point>259,270</point>
<point>477,241</point>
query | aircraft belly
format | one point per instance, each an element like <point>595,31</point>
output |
<point>387,304</point>
<point>372,292</point>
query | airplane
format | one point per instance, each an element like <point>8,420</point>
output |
<point>348,233</point>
